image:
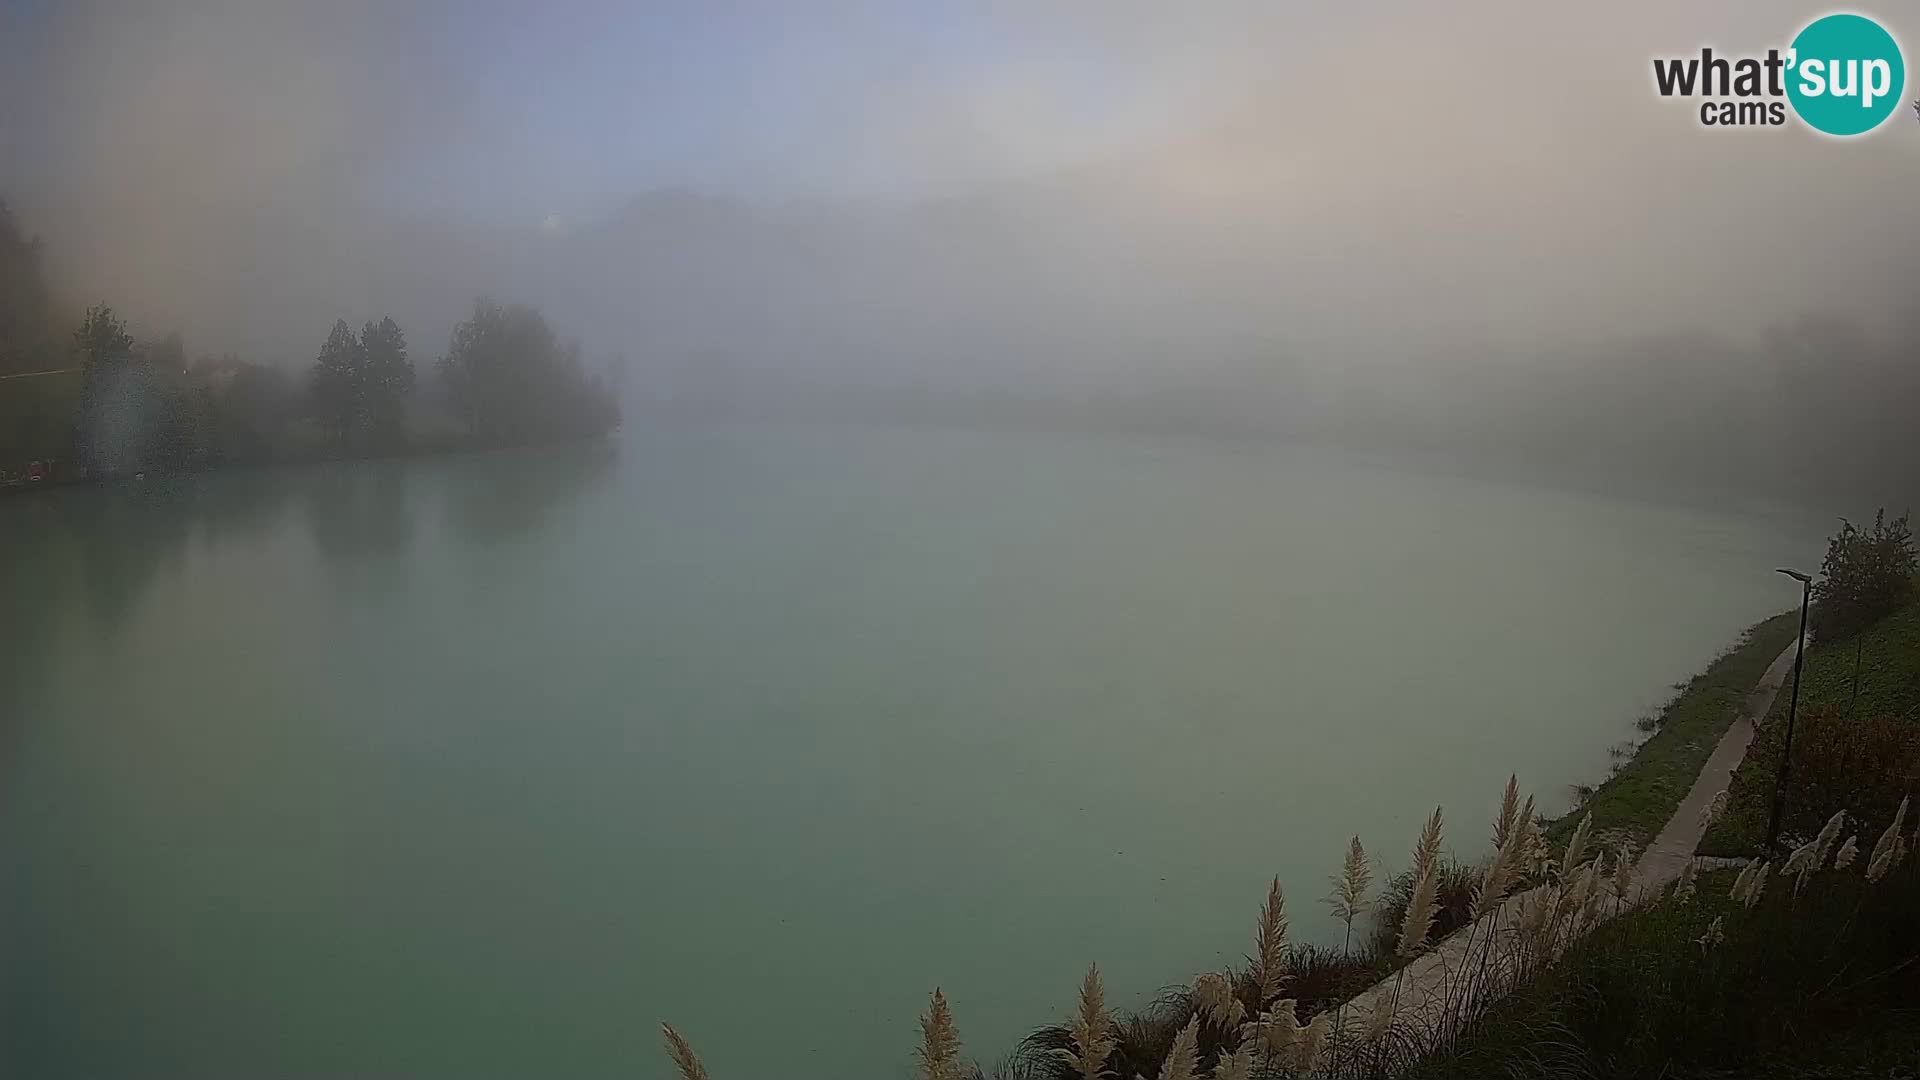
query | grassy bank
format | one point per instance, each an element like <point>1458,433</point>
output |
<point>1644,791</point>
<point>1593,972</point>
<point>1634,802</point>
<point>1831,723</point>
<point>1817,980</point>
<point>1807,968</point>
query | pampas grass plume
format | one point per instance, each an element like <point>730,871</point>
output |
<point>1184,1059</point>
<point>1418,922</point>
<point>1235,1066</point>
<point>1576,846</point>
<point>1509,812</point>
<point>1313,1041</point>
<point>1889,849</point>
<point>1714,808</point>
<point>1426,853</point>
<point>1756,886</point>
<point>681,1051</point>
<point>1824,842</point>
<point>939,1051</point>
<point>1090,1027</point>
<point>1270,944</point>
<point>1740,883</point>
<point>1378,1021</point>
<point>1623,874</point>
<point>1350,886</point>
<point>1849,851</point>
<point>1277,1029</point>
<point>1213,994</point>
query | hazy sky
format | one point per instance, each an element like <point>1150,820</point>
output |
<point>1059,191</point>
<point>528,107</point>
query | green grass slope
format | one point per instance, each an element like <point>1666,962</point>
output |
<point>1889,654</point>
<point>1644,792</point>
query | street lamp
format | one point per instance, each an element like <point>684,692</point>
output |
<point>1793,706</point>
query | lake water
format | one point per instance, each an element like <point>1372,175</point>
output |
<point>483,766</point>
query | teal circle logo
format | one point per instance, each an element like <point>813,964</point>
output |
<point>1846,74</point>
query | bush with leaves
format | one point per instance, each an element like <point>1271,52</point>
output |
<point>1867,763</point>
<point>1867,574</point>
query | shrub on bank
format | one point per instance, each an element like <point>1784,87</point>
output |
<point>1869,763</point>
<point>1853,739</point>
<point>1867,574</point>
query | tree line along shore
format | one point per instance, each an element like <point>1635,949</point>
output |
<point>84,397</point>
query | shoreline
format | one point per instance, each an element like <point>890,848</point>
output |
<point>1695,744</point>
<point>411,452</point>
<point>1641,793</point>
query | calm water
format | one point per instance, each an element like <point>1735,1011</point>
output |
<point>483,766</point>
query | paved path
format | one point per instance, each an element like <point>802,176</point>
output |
<point>1427,995</point>
<point>1671,849</point>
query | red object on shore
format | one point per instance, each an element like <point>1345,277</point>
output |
<point>36,470</point>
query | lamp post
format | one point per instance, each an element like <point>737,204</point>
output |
<point>1793,707</point>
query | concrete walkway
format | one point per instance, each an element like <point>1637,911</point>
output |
<point>1426,995</point>
<point>1670,850</point>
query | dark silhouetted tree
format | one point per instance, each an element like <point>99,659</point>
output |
<point>113,427</point>
<point>1867,574</point>
<point>27,322</point>
<point>511,380</point>
<point>102,337</point>
<point>386,380</point>
<point>249,407</point>
<point>37,413</point>
<point>175,417</point>
<point>359,385</point>
<point>334,383</point>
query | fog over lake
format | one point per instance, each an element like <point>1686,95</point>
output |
<point>474,766</point>
<point>525,521</point>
